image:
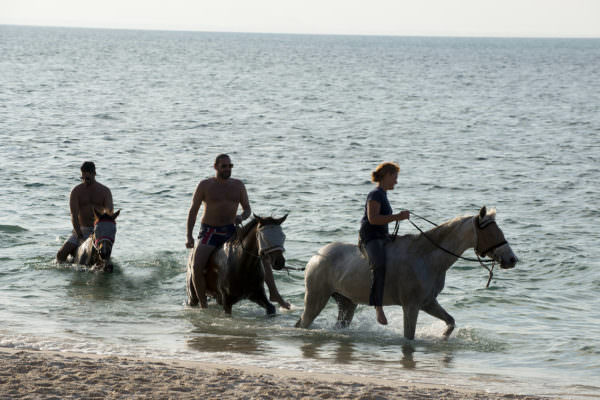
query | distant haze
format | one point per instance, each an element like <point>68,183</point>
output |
<point>511,18</point>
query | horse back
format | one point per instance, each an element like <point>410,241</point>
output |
<point>337,267</point>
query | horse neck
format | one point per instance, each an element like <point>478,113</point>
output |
<point>456,236</point>
<point>249,247</point>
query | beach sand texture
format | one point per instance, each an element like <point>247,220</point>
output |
<point>27,374</point>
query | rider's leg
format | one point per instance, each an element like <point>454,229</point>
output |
<point>66,249</point>
<point>376,252</point>
<point>196,278</point>
<point>270,281</point>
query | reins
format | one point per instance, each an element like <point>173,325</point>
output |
<point>478,259</point>
<point>258,255</point>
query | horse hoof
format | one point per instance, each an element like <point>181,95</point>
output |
<point>448,331</point>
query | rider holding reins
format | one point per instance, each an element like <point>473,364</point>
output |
<point>374,233</point>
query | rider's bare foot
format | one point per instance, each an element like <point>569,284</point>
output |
<point>381,316</point>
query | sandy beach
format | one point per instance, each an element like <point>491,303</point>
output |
<point>28,374</point>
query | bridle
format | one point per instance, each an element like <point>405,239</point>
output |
<point>267,243</point>
<point>98,240</point>
<point>490,248</point>
<point>479,253</point>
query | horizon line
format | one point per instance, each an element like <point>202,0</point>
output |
<point>431,35</point>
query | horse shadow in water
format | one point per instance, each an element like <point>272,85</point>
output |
<point>95,251</point>
<point>415,270</point>
<point>235,271</point>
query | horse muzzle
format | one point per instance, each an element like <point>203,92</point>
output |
<point>276,259</point>
<point>104,250</point>
<point>505,256</point>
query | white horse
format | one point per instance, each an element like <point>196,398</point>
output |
<point>415,270</point>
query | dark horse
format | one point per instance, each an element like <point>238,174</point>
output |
<point>235,271</point>
<point>95,251</point>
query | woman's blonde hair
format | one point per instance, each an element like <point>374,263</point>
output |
<point>384,169</point>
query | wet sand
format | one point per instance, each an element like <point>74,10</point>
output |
<point>28,374</point>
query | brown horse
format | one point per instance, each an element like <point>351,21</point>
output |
<point>95,251</point>
<point>235,271</point>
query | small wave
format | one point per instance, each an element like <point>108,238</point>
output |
<point>104,116</point>
<point>12,229</point>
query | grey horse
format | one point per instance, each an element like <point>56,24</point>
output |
<point>415,272</point>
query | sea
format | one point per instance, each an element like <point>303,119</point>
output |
<point>509,123</point>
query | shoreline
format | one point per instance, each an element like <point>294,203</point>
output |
<point>35,374</point>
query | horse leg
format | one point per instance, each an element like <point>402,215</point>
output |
<point>260,298</point>
<point>411,313</point>
<point>313,304</point>
<point>227,305</point>
<point>434,309</point>
<point>346,310</point>
<point>66,250</point>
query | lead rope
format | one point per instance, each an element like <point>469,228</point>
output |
<point>491,274</point>
<point>479,260</point>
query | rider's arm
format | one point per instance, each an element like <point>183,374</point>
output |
<point>193,214</point>
<point>245,203</point>
<point>375,218</point>
<point>108,201</point>
<point>74,206</point>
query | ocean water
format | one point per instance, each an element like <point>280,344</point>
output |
<point>508,123</point>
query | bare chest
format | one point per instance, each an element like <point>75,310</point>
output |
<point>218,193</point>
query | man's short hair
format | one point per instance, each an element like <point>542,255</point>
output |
<point>220,157</point>
<point>88,166</point>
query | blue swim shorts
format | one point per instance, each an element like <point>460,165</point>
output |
<point>215,235</point>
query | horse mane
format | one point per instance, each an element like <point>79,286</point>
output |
<point>438,233</point>
<point>441,231</point>
<point>241,233</point>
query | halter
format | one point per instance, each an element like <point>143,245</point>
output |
<point>487,250</point>
<point>270,240</point>
<point>98,240</point>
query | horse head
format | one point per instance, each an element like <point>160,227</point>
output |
<point>271,238</point>
<point>490,239</point>
<point>105,230</point>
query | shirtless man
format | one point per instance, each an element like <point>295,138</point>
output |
<point>86,196</point>
<point>221,195</point>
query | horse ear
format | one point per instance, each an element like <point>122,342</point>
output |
<point>482,212</point>
<point>115,215</point>
<point>97,213</point>
<point>280,220</point>
<point>257,217</point>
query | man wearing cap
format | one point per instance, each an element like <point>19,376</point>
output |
<point>86,196</point>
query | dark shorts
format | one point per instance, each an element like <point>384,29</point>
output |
<point>215,235</point>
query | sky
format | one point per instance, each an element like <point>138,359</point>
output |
<point>505,18</point>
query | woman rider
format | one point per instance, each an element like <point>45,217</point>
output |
<point>374,233</point>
